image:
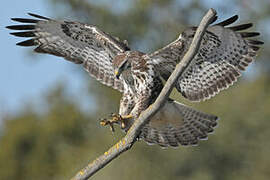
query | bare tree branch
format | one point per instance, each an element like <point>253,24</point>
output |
<point>126,143</point>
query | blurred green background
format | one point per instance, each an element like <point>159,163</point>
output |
<point>60,137</point>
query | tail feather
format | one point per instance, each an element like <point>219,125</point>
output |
<point>176,124</point>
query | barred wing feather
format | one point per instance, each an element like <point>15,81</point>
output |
<point>77,42</point>
<point>176,124</point>
<point>223,54</point>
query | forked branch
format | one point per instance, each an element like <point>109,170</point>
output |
<point>126,143</point>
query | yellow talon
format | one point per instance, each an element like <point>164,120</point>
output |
<point>115,119</point>
<point>123,125</point>
<point>127,116</point>
<point>123,118</point>
<point>103,123</point>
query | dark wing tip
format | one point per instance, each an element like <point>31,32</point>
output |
<point>38,16</point>
<point>255,42</point>
<point>241,27</point>
<point>214,19</point>
<point>249,34</point>
<point>254,48</point>
<point>30,42</point>
<point>23,34</point>
<point>228,21</point>
<point>21,27</point>
<point>9,27</point>
<point>24,20</point>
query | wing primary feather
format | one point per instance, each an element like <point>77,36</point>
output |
<point>24,34</point>
<point>214,19</point>
<point>255,48</point>
<point>241,27</point>
<point>228,21</point>
<point>23,20</point>
<point>83,46</point>
<point>249,34</point>
<point>21,27</point>
<point>30,42</point>
<point>255,42</point>
<point>38,16</point>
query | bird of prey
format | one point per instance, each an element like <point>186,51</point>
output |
<point>224,53</point>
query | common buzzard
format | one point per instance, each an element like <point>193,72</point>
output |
<point>224,53</point>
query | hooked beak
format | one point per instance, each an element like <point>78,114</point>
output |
<point>117,74</point>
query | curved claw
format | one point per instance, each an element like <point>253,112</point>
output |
<point>111,127</point>
<point>105,122</point>
<point>123,125</point>
<point>115,118</point>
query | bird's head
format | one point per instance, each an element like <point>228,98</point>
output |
<point>121,63</point>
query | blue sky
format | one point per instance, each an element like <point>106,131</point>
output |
<point>22,75</point>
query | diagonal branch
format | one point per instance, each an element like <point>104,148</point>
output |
<point>126,143</point>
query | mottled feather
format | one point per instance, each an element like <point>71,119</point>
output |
<point>223,54</point>
<point>77,42</point>
<point>176,124</point>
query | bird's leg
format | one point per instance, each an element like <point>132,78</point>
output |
<point>115,118</point>
<point>123,118</point>
<point>105,122</point>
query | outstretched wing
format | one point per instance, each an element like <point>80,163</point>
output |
<point>176,124</point>
<point>223,54</point>
<point>77,42</point>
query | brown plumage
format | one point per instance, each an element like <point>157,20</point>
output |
<point>224,53</point>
